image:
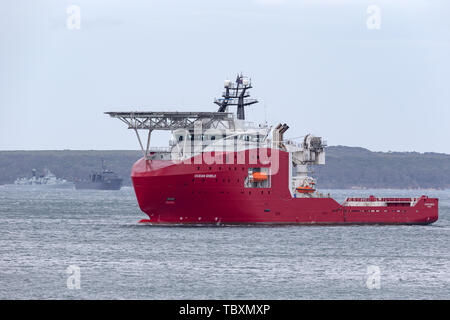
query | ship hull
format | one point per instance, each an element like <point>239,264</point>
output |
<point>178,193</point>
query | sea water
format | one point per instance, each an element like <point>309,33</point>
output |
<point>69,244</point>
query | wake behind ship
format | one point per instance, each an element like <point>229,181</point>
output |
<point>221,169</point>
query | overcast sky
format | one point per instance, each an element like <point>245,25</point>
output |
<point>314,64</point>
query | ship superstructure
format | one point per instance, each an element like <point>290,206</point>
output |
<point>220,168</point>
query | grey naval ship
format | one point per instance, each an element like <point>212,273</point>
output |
<point>102,180</point>
<point>48,179</point>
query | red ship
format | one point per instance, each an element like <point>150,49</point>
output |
<point>220,169</point>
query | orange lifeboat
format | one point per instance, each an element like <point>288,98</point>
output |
<point>306,189</point>
<point>259,176</point>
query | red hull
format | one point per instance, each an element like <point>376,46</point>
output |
<point>177,193</point>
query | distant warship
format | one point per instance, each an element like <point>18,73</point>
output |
<point>104,180</point>
<point>48,179</point>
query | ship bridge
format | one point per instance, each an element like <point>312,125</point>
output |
<point>173,121</point>
<point>204,130</point>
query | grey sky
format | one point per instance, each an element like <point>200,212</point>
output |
<point>314,64</point>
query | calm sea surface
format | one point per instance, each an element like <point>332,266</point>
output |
<point>43,231</point>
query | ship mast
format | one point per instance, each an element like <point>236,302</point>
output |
<point>236,94</point>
